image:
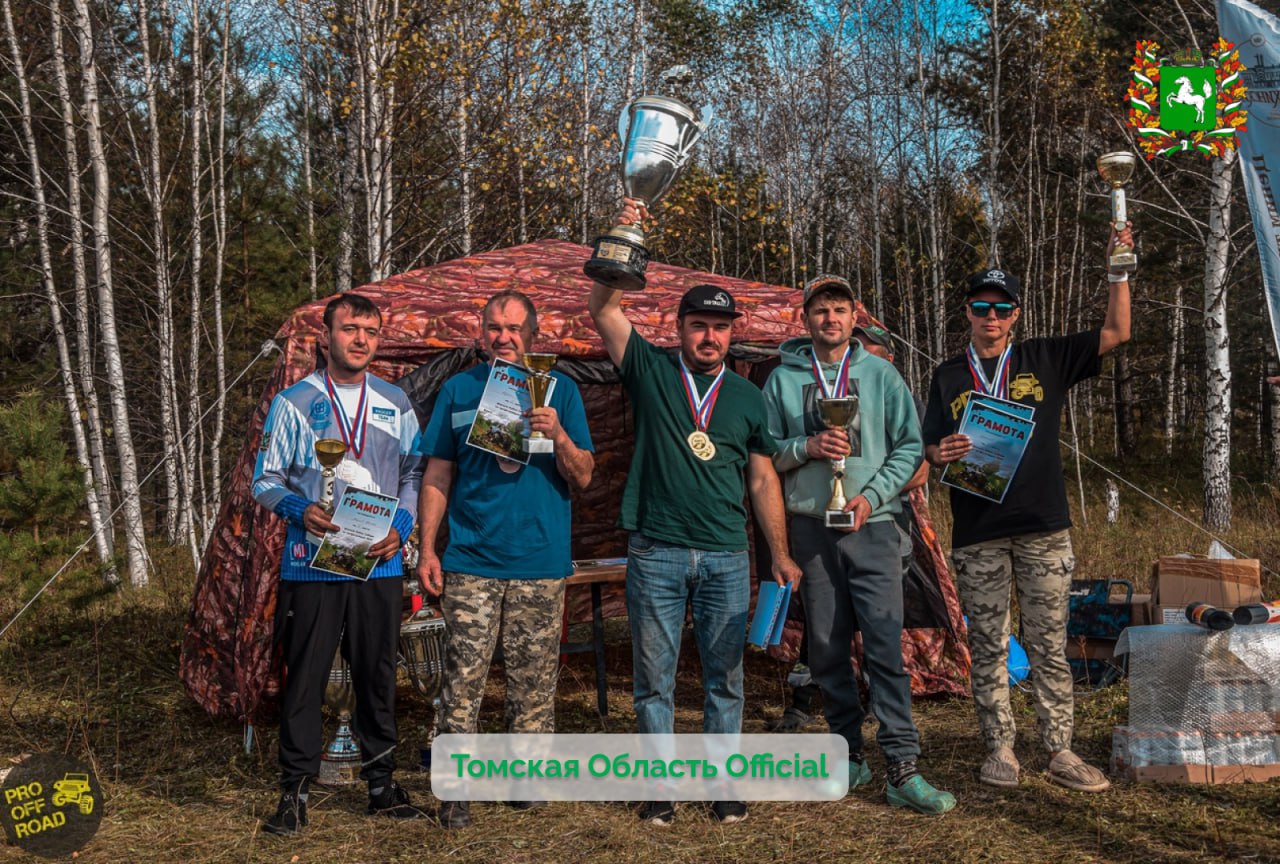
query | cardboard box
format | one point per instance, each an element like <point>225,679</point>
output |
<point>1226,583</point>
<point>1140,610</point>
<point>1090,648</point>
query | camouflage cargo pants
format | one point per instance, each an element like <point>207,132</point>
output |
<point>1039,566</point>
<point>529,614</point>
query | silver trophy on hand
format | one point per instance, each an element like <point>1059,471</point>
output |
<point>1116,168</point>
<point>657,135</point>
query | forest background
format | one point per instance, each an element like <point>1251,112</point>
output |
<point>176,176</point>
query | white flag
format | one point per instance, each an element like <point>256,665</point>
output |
<point>1256,34</point>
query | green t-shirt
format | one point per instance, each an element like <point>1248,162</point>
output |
<point>671,494</point>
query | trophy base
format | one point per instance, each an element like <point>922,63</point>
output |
<point>1126,262</point>
<point>339,770</point>
<point>839,519</point>
<point>539,445</point>
<point>618,262</point>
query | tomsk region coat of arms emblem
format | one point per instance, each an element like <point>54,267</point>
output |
<point>1182,104</point>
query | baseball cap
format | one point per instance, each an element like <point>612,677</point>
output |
<point>827,282</point>
<point>1002,280</point>
<point>878,335</point>
<point>708,299</point>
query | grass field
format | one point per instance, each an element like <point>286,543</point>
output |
<point>93,674</point>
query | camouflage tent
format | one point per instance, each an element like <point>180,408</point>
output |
<point>430,328</point>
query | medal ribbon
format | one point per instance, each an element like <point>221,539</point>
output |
<point>840,388</point>
<point>351,432</point>
<point>704,405</point>
<point>999,385</point>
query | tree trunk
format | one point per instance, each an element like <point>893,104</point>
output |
<point>1172,381</point>
<point>65,368</point>
<point>80,278</point>
<point>136,544</point>
<point>1217,420</point>
<point>1126,436</point>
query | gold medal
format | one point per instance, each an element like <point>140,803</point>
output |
<point>700,444</point>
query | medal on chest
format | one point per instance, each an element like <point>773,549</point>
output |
<point>701,407</point>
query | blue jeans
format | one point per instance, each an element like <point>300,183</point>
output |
<point>662,581</point>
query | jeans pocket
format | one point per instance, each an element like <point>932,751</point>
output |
<point>640,545</point>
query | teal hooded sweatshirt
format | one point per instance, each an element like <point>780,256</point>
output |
<point>885,435</point>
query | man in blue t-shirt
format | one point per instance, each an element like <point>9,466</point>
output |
<point>508,552</point>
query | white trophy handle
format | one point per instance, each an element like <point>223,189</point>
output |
<point>624,126</point>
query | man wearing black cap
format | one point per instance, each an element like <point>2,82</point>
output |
<point>698,428</point>
<point>1023,541</point>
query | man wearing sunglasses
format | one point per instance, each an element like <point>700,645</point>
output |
<point>1023,541</point>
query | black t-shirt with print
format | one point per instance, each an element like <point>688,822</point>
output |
<point>1041,371</point>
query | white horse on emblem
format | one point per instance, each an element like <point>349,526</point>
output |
<point>1185,96</point>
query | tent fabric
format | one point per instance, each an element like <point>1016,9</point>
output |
<point>229,664</point>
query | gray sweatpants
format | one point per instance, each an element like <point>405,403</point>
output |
<point>852,577</point>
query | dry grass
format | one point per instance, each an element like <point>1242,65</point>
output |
<point>95,676</point>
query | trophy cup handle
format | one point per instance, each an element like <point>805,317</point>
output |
<point>696,130</point>
<point>624,126</point>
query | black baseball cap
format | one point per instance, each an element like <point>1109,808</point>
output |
<point>827,282</point>
<point>878,335</point>
<point>708,299</point>
<point>1001,280</point>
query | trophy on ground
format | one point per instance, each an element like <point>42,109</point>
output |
<point>340,762</point>
<point>539,378</point>
<point>422,654</point>
<point>657,135</point>
<point>838,413</point>
<point>1116,168</point>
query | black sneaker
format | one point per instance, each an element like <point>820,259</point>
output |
<point>728,812</point>
<point>658,813</point>
<point>454,814</point>
<point>393,801</point>
<point>291,816</point>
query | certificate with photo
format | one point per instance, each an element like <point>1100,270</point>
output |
<point>364,518</point>
<point>998,438</point>
<point>501,423</point>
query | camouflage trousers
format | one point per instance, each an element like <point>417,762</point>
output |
<point>529,613</point>
<point>1039,566</point>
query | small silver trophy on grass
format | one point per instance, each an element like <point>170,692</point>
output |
<point>657,135</point>
<point>340,762</point>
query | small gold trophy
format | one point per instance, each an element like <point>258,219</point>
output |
<point>340,762</point>
<point>539,366</point>
<point>329,451</point>
<point>838,413</point>
<point>1116,168</point>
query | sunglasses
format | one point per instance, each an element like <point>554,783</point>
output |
<point>982,308</point>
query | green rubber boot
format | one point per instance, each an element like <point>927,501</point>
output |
<point>917,794</point>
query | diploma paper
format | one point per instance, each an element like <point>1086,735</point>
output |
<point>365,519</point>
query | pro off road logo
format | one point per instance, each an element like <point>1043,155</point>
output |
<point>52,805</point>
<point>1183,104</point>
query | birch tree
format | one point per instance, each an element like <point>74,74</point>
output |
<point>135,537</point>
<point>1216,463</point>
<point>65,368</point>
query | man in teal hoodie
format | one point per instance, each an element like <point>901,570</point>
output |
<point>852,576</point>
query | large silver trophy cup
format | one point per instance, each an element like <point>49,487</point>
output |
<point>422,655</point>
<point>340,762</point>
<point>657,135</point>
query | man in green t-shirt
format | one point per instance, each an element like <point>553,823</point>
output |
<point>699,429</point>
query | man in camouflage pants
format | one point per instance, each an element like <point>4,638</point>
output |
<point>508,551</point>
<point>1022,540</point>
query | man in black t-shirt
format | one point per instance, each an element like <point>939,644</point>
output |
<point>1023,540</point>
